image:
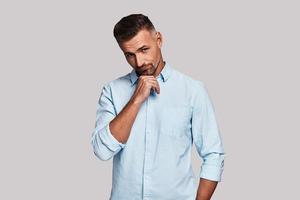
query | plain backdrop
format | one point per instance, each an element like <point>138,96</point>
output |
<point>55,57</point>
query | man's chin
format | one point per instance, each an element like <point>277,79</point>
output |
<point>149,72</point>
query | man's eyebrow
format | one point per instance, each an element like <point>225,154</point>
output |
<point>144,46</point>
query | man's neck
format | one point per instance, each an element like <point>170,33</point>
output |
<point>159,68</point>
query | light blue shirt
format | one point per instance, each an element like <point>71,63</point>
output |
<point>155,162</point>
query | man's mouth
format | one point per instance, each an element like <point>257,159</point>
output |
<point>143,70</point>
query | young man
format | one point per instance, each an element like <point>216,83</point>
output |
<point>148,120</point>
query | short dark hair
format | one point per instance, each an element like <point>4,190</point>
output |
<point>130,25</point>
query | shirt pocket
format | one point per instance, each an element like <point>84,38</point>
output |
<point>176,121</point>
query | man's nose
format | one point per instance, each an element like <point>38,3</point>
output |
<point>139,61</point>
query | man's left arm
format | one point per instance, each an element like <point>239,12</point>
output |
<point>206,189</point>
<point>208,142</point>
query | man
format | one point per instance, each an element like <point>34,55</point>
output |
<point>148,120</point>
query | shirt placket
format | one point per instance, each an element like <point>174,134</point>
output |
<point>147,164</point>
<point>148,147</point>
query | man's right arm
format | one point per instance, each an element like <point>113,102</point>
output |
<point>121,125</point>
<point>111,130</point>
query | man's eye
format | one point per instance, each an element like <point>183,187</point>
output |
<point>145,50</point>
<point>128,55</point>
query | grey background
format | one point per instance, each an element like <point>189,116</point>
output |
<point>56,55</point>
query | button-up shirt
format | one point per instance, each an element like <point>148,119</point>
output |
<point>155,162</point>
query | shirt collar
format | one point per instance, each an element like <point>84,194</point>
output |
<point>164,74</point>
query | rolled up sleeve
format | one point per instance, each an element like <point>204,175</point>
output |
<point>104,144</point>
<point>206,135</point>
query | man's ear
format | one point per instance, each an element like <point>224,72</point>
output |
<point>159,39</point>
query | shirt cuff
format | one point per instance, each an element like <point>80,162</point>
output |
<point>109,140</point>
<point>212,172</point>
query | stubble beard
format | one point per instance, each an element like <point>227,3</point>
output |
<point>148,72</point>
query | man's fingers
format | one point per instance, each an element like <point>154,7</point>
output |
<point>155,85</point>
<point>153,81</point>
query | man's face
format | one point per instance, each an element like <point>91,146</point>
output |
<point>143,51</point>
